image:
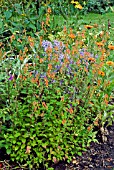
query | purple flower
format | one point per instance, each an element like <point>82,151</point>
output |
<point>46,44</point>
<point>59,44</point>
<point>96,56</point>
<point>11,77</point>
<point>43,75</point>
<point>61,57</point>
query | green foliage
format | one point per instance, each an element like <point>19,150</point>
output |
<point>98,6</point>
<point>19,18</point>
<point>48,113</point>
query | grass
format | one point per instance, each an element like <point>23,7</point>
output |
<point>91,18</point>
<point>98,18</point>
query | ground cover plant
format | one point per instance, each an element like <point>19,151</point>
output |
<point>56,84</point>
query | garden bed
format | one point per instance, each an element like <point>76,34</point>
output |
<point>99,156</point>
<point>56,88</point>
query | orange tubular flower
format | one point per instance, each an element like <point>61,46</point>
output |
<point>65,29</point>
<point>34,80</point>
<point>50,66</point>
<point>102,58</point>
<point>12,37</point>
<point>111,47</point>
<point>62,98</point>
<point>41,60</point>
<point>88,26</point>
<point>49,11</point>
<point>53,75</point>
<point>106,99</point>
<point>44,104</point>
<point>106,83</point>
<point>72,35</point>
<point>63,121</point>
<point>24,78</point>
<point>99,82</point>
<point>49,50</point>
<point>96,122</point>
<point>46,82</point>
<point>21,58</point>
<point>70,110</point>
<point>110,63</point>
<point>89,127</point>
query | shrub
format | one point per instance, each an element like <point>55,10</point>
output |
<point>98,6</point>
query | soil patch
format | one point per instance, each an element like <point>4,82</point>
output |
<point>99,156</point>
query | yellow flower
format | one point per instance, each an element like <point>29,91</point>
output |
<point>101,73</point>
<point>78,6</point>
<point>111,47</point>
<point>74,2</point>
<point>23,15</point>
<point>99,44</point>
<point>110,63</point>
<point>91,59</point>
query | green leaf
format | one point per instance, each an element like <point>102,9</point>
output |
<point>8,151</point>
<point>22,146</point>
<point>17,134</point>
<point>14,141</point>
<point>33,27</point>
<point>1,143</point>
<point>11,136</point>
<point>19,143</point>
<point>51,37</point>
<point>1,24</point>
<point>16,148</point>
<point>79,153</point>
<point>51,139</point>
<point>8,14</point>
<point>33,18</point>
<point>50,168</point>
<point>33,143</point>
<point>25,135</point>
<point>23,140</point>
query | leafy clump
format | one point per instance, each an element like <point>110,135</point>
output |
<point>98,6</point>
<point>55,88</point>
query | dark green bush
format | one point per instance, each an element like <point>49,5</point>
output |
<point>98,6</point>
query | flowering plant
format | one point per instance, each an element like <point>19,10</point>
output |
<point>55,92</point>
